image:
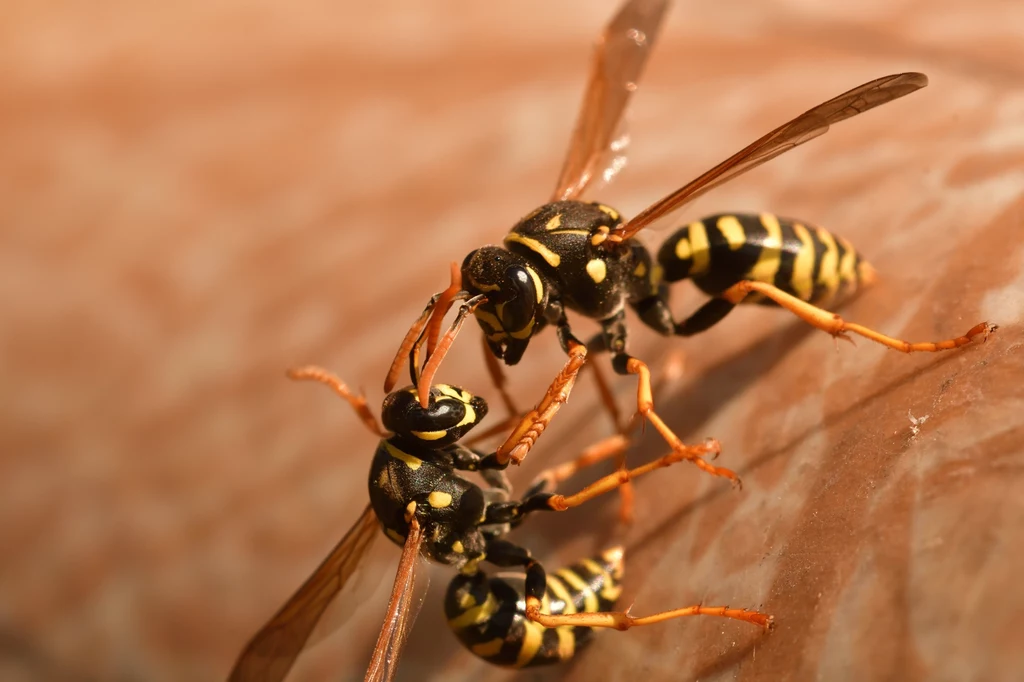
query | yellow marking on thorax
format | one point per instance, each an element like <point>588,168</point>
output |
<point>489,648</point>
<point>533,636</point>
<point>589,598</point>
<point>828,273</point>
<point>475,615</point>
<point>411,507</point>
<point>733,232</point>
<point>473,565</point>
<point>439,500</point>
<point>467,600</point>
<point>611,212</point>
<point>554,223</point>
<point>552,258</point>
<point>640,270</point>
<point>767,264</point>
<point>847,265</point>
<point>429,435</point>
<point>559,590</point>
<point>597,270</point>
<point>697,249</point>
<point>538,285</point>
<point>601,236</point>
<point>410,461</point>
<point>457,547</point>
<point>803,264</point>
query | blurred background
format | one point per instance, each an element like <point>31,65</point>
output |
<point>196,196</point>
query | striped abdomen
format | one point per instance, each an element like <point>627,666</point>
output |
<point>805,261</point>
<point>488,614</point>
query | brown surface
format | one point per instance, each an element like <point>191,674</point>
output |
<point>195,197</point>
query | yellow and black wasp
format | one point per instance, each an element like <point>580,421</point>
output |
<point>421,500</point>
<point>575,255</point>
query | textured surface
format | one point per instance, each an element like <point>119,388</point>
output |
<point>195,196</point>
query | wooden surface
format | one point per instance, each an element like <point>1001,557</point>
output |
<point>195,196</point>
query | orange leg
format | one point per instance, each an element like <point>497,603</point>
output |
<point>839,328</point>
<point>358,402</point>
<point>532,425</point>
<point>693,453</point>
<point>623,621</point>
<point>426,379</point>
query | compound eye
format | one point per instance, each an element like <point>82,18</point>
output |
<point>518,309</point>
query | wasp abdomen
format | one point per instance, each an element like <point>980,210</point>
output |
<point>803,260</point>
<point>488,614</point>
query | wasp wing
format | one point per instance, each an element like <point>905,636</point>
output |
<point>270,654</point>
<point>804,127</point>
<point>403,607</point>
<point>619,58</point>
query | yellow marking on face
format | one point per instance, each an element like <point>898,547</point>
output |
<point>483,287</point>
<point>829,270</point>
<point>489,319</point>
<point>580,585</point>
<point>552,258</point>
<point>558,589</point>
<point>538,285</point>
<point>488,649</point>
<point>731,229</point>
<point>611,212</point>
<point>554,223</point>
<point>699,249</point>
<point>597,269</point>
<point>767,265</point>
<point>475,615</point>
<point>524,333</point>
<point>439,500</point>
<point>429,435</point>
<point>847,264</point>
<point>566,643</point>
<point>457,547</point>
<point>803,264</point>
<point>410,461</point>
<point>533,636</point>
<point>394,535</point>
<point>640,270</point>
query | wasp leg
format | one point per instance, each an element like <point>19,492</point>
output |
<point>626,495</point>
<point>358,402</point>
<point>838,327</point>
<point>532,425</point>
<point>626,364</point>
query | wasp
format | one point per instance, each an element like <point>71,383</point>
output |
<point>583,256</point>
<point>422,501</point>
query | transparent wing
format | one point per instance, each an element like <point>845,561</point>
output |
<point>403,607</point>
<point>619,59</point>
<point>804,127</point>
<point>270,654</point>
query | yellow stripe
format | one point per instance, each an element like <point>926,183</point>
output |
<point>803,264</point>
<point>489,319</point>
<point>554,223</point>
<point>767,264</point>
<point>612,213</point>
<point>847,272</point>
<point>733,232</point>
<point>475,615</point>
<point>560,591</point>
<point>439,500</point>
<point>533,636</point>
<point>589,598</point>
<point>487,649</point>
<point>410,461</point>
<point>827,274</point>
<point>700,252</point>
<point>597,270</point>
<point>566,643</point>
<point>537,284</point>
<point>552,258</point>
<point>429,435</point>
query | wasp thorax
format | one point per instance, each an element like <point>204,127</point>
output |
<point>449,415</point>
